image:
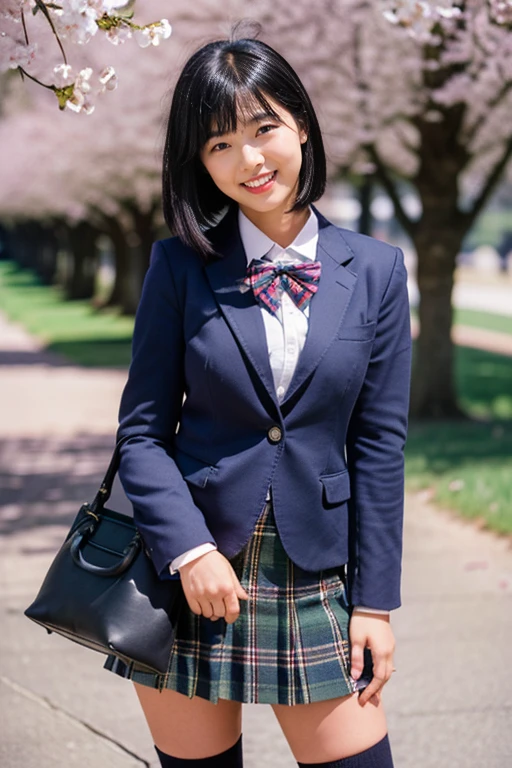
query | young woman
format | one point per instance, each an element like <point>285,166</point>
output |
<point>266,410</point>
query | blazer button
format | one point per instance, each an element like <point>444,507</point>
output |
<point>275,434</point>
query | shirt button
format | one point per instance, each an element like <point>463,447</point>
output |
<point>275,434</point>
<point>280,391</point>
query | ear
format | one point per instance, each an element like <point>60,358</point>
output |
<point>303,137</point>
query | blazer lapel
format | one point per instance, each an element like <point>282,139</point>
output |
<point>328,305</point>
<point>240,310</point>
<point>243,313</point>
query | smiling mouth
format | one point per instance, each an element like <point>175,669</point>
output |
<point>260,182</point>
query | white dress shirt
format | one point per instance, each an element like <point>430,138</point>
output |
<point>285,330</point>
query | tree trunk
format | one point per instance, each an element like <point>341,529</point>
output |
<point>437,237</point>
<point>48,255</point>
<point>124,291</point>
<point>433,392</point>
<point>6,243</point>
<point>80,279</point>
<point>27,243</point>
<point>144,224</point>
<point>365,199</point>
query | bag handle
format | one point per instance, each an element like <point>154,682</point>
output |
<point>80,538</point>
<point>94,509</point>
<point>105,488</point>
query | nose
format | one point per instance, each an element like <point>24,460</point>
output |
<point>251,157</point>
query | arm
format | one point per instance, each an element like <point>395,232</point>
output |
<point>164,511</point>
<point>375,444</point>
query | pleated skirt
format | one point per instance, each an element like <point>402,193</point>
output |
<point>289,645</point>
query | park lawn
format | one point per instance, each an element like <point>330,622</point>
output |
<point>72,328</point>
<point>485,320</point>
<point>466,466</point>
<point>473,318</point>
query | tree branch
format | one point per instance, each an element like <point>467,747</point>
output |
<point>24,26</point>
<point>404,139</point>
<point>39,5</point>
<point>490,184</point>
<point>473,130</point>
<point>390,187</point>
<point>24,73</point>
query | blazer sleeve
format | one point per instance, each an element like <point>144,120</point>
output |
<point>375,453</point>
<point>164,511</point>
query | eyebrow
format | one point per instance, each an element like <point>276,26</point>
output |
<point>257,118</point>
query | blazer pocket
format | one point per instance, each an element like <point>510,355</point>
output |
<point>195,471</point>
<point>200,477</point>
<point>365,332</point>
<point>336,487</point>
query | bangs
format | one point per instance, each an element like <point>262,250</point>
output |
<point>225,104</point>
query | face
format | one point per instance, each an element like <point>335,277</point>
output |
<point>258,165</point>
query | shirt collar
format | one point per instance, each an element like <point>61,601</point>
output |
<point>257,244</point>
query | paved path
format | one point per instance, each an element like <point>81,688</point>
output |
<point>449,703</point>
<point>487,292</point>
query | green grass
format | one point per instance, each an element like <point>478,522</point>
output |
<point>484,383</point>
<point>486,320</point>
<point>473,318</point>
<point>73,328</point>
<point>468,466</point>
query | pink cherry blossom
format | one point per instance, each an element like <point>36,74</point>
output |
<point>75,22</point>
<point>152,35</point>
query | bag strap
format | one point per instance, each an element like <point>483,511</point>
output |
<point>105,488</point>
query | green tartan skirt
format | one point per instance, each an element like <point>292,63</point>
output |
<point>289,644</point>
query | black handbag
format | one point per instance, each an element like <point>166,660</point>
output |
<point>102,590</point>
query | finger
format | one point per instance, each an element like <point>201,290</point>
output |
<point>371,690</point>
<point>356,660</point>
<point>206,608</point>
<point>240,591</point>
<point>382,670</point>
<point>219,609</point>
<point>194,605</point>
<point>232,607</point>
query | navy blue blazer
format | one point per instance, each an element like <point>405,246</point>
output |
<point>198,469</point>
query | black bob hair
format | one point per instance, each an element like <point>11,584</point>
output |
<point>218,81</point>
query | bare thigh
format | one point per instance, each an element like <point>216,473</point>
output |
<point>326,731</point>
<point>191,729</point>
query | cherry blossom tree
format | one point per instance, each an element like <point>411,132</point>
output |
<point>416,93</point>
<point>420,94</point>
<point>104,169</point>
<point>75,21</point>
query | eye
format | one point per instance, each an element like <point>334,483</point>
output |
<point>219,147</point>
<point>266,128</point>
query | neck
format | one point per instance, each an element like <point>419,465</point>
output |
<point>279,226</point>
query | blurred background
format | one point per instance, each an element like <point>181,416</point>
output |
<point>416,111</point>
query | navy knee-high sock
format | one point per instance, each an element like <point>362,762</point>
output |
<point>378,756</point>
<point>231,758</point>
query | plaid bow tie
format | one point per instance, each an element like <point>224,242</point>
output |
<point>300,281</point>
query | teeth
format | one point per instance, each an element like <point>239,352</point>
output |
<point>259,182</point>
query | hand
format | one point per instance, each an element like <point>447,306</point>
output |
<point>212,588</point>
<point>374,631</point>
